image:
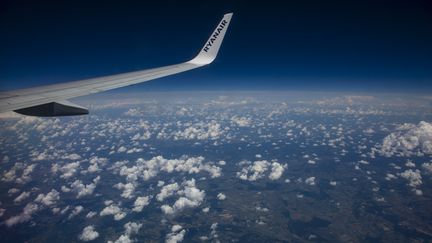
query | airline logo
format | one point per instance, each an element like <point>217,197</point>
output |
<point>215,35</point>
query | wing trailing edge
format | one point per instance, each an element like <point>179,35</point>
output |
<point>58,108</point>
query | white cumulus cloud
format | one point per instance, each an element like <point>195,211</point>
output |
<point>49,199</point>
<point>176,235</point>
<point>83,189</point>
<point>89,233</point>
<point>221,196</point>
<point>140,203</point>
<point>408,140</point>
<point>258,169</point>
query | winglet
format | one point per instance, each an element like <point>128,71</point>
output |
<point>210,50</point>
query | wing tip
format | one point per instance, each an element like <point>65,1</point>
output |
<point>211,48</point>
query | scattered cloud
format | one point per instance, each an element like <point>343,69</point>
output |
<point>413,176</point>
<point>77,210</point>
<point>427,167</point>
<point>49,199</point>
<point>241,121</point>
<point>221,196</point>
<point>114,210</point>
<point>147,169</point>
<point>130,229</point>
<point>310,181</point>
<point>408,140</point>
<point>190,197</point>
<point>257,169</point>
<point>128,189</point>
<point>140,203</point>
<point>167,191</point>
<point>88,234</point>
<point>82,189</point>
<point>177,234</point>
<point>22,197</point>
<point>24,216</point>
<point>200,131</point>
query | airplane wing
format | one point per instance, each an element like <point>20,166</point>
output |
<point>51,100</point>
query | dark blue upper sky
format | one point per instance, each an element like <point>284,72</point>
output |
<point>300,45</point>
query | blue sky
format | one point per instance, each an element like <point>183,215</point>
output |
<point>297,45</point>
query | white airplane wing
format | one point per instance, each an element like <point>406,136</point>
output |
<point>51,100</point>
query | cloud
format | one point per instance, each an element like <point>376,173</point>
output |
<point>77,210</point>
<point>128,189</point>
<point>122,239</point>
<point>95,162</point>
<point>93,168</point>
<point>134,112</point>
<point>310,181</point>
<point>200,131</point>
<point>89,233</point>
<point>176,235</point>
<point>221,196</point>
<point>65,210</point>
<point>82,189</point>
<point>427,167</point>
<point>25,215</point>
<point>167,191</point>
<point>369,131</point>
<point>5,159</point>
<point>68,169</point>
<point>413,176</point>
<point>390,177</point>
<point>213,234</point>
<point>241,121</point>
<point>408,140</point>
<point>190,197</point>
<point>262,209</point>
<point>276,171</point>
<point>71,157</point>
<point>167,209</point>
<point>37,156</point>
<point>140,203</point>
<point>213,170</point>
<point>145,136</point>
<point>25,177</point>
<point>65,189</point>
<point>409,163</point>
<point>147,169</point>
<point>49,199</point>
<point>9,175</point>
<point>254,171</point>
<point>130,229</point>
<point>91,214</point>
<point>364,162</point>
<point>121,149</point>
<point>114,210</point>
<point>311,162</point>
<point>257,169</point>
<point>22,197</point>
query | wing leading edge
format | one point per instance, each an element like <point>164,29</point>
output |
<point>51,100</point>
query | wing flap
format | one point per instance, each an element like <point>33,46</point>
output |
<point>59,108</point>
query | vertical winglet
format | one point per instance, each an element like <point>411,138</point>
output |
<point>210,50</point>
